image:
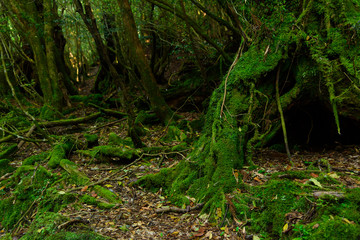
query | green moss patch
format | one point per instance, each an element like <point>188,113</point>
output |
<point>106,151</point>
<point>92,140</point>
<point>59,152</point>
<point>36,158</point>
<point>8,151</point>
<point>77,177</point>
<point>5,167</point>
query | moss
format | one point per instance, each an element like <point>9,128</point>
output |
<point>331,228</point>
<point>124,153</point>
<point>76,236</point>
<point>91,98</point>
<point>114,139</point>
<point>174,134</point>
<point>106,194</point>
<point>92,140</point>
<point>156,181</point>
<point>96,202</point>
<point>15,119</point>
<point>5,167</point>
<point>35,158</point>
<point>8,151</point>
<point>238,102</point>
<point>179,147</point>
<point>44,225</point>
<point>146,118</point>
<point>59,152</point>
<point>276,198</point>
<point>29,184</point>
<point>291,175</point>
<point>56,200</point>
<point>48,113</point>
<point>77,177</point>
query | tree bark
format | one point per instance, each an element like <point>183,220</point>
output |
<point>137,54</point>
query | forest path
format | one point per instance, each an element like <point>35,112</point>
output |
<point>88,83</point>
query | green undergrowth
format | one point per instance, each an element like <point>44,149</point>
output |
<point>60,152</point>
<point>32,195</point>
<point>287,209</point>
<point>46,226</point>
<point>266,209</point>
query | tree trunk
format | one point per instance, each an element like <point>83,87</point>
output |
<point>38,28</point>
<point>137,54</point>
<point>90,22</point>
<point>243,111</point>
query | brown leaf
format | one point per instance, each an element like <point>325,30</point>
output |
<point>314,175</point>
<point>316,226</point>
<point>84,188</point>
<point>258,179</point>
<point>200,232</point>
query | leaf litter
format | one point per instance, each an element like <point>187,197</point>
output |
<point>138,217</point>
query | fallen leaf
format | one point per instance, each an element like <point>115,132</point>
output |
<point>314,175</point>
<point>258,179</point>
<point>208,235</point>
<point>316,182</point>
<point>333,175</point>
<point>200,232</point>
<point>108,185</point>
<point>301,180</point>
<point>285,227</point>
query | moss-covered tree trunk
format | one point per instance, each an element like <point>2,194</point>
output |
<point>36,22</point>
<point>317,64</point>
<point>137,54</point>
<point>90,22</point>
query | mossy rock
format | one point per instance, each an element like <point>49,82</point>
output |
<point>92,140</point>
<point>56,200</point>
<point>35,158</point>
<point>59,152</point>
<point>276,198</point>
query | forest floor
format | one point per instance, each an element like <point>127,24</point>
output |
<point>149,215</point>
<point>137,217</point>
